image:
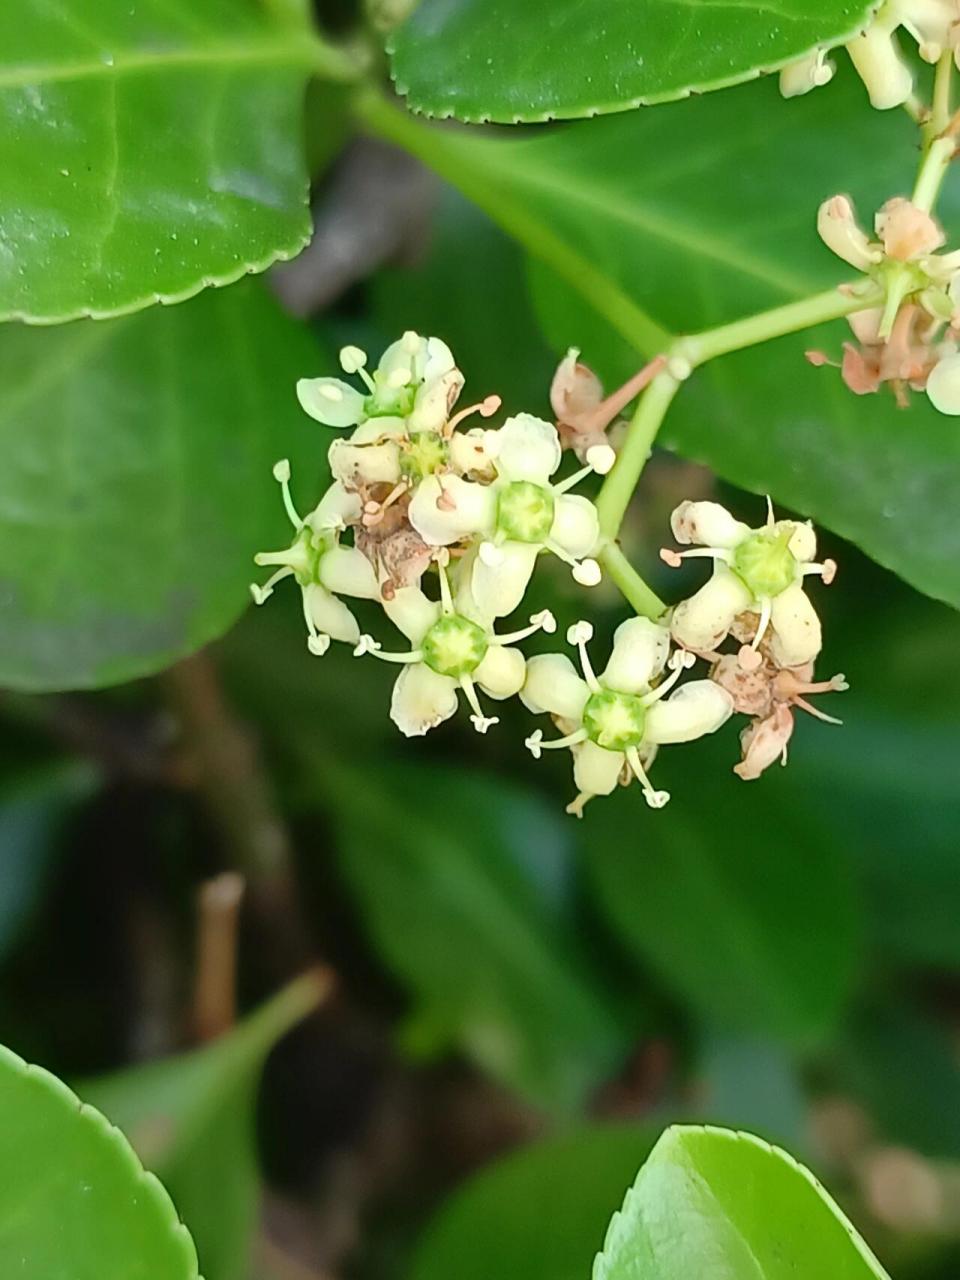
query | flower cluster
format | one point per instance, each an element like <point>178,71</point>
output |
<point>876,52</point>
<point>442,524</point>
<point>910,343</point>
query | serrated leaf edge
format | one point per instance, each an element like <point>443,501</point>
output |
<point>421,108</point>
<point>676,1132</point>
<point>151,1185</point>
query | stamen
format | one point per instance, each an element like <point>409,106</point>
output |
<point>373,512</point>
<point>544,621</point>
<point>749,656</point>
<point>536,745</point>
<point>770,520</point>
<point>679,663</point>
<point>579,634</point>
<point>815,711</point>
<point>479,721</point>
<point>827,571</point>
<point>486,409</point>
<point>317,642</point>
<point>367,644</point>
<point>442,558</point>
<point>260,594</point>
<point>587,573</point>
<point>571,481</point>
<point>281,472</point>
<point>398,378</point>
<point>444,500</point>
<point>655,799</point>
<point>601,458</point>
<point>674,558</point>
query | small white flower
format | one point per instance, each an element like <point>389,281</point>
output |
<point>758,570</point>
<point>452,651</point>
<point>618,718</point>
<point>323,571</point>
<point>519,514</point>
<point>416,379</point>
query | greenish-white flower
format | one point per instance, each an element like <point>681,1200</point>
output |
<point>323,570</point>
<point>454,651</point>
<point>755,570</point>
<point>616,721</point>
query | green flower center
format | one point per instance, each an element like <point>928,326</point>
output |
<point>454,646</point>
<point>525,511</point>
<point>388,402</point>
<point>765,563</point>
<point>614,720</point>
<point>422,455</point>
<point>306,552</point>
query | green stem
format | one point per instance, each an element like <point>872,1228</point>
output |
<point>632,587</point>
<point>617,490</point>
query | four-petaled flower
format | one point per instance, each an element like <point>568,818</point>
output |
<point>755,570</point>
<point>454,649</point>
<point>323,570</point>
<point>518,515</point>
<point>614,722</point>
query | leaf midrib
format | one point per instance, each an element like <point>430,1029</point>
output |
<point>304,51</point>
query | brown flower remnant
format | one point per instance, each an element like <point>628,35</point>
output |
<point>583,415</point>
<point>904,361</point>
<point>769,694</point>
<point>398,554</point>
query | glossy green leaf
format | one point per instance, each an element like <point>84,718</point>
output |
<point>567,1184</point>
<point>191,1119</point>
<point>711,1202</point>
<point>33,809</point>
<point>464,883</point>
<point>543,59</point>
<point>742,903</point>
<point>148,149</point>
<point>703,212</point>
<point>136,483</point>
<point>75,1203</point>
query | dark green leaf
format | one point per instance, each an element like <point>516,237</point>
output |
<point>463,881</point>
<point>148,149</point>
<point>539,1214</point>
<point>703,212</point>
<point>75,1203</point>
<point>742,903</point>
<point>137,485</point>
<point>710,1202</point>
<point>191,1119</point>
<point>543,59</point>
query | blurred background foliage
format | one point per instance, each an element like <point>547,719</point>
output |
<point>502,1007</point>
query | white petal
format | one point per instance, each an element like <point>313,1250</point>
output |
<point>388,426</point>
<point>408,352</point>
<point>468,451</point>
<point>640,652</point>
<point>421,700</point>
<point>696,708</point>
<point>838,229</point>
<point>553,684</point>
<point>347,572</point>
<point>330,615</point>
<point>439,360</point>
<point>576,525</point>
<point>702,621</point>
<point>707,524</point>
<point>367,464</point>
<point>596,770</point>
<point>943,386</point>
<point>434,400</point>
<point>412,611</point>
<point>806,73</point>
<point>336,508</point>
<point>330,401</point>
<point>527,448</point>
<point>803,540</point>
<point>879,62</point>
<point>499,588</point>
<point>796,628</point>
<point>465,509</point>
<point>502,671</point>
